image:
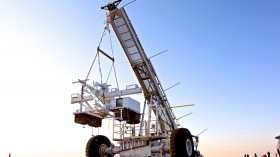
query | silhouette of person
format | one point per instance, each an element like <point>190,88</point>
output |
<point>247,155</point>
<point>268,154</point>
<point>255,155</point>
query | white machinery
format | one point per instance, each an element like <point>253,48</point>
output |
<point>137,135</point>
<point>278,144</point>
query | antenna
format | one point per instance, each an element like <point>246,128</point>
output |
<point>197,137</point>
<point>184,116</point>
<point>172,86</point>
<point>202,132</point>
<point>158,54</point>
<point>181,106</point>
<point>128,3</point>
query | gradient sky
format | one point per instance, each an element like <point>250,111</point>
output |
<point>225,53</point>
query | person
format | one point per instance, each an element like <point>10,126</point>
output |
<point>247,155</point>
<point>268,154</point>
<point>255,154</point>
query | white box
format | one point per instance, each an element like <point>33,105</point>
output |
<point>125,102</point>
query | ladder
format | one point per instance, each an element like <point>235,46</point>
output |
<point>141,65</point>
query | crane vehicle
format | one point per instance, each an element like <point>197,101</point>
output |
<point>137,134</point>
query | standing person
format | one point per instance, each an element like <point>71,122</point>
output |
<point>255,154</point>
<point>268,154</point>
<point>247,155</point>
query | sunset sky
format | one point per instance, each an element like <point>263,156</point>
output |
<point>224,53</point>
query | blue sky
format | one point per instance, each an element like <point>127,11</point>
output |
<point>225,54</point>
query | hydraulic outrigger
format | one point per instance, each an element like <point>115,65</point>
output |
<point>135,135</point>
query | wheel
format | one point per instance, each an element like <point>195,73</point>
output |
<point>181,143</point>
<point>96,145</point>
<point>278,147</point>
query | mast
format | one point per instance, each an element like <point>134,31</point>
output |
<point>141,66</point>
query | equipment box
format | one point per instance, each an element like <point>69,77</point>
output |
<point>125,102</point>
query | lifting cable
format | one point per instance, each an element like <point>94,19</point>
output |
<point>99,66</point>
<point>109,73</point>
<point>91,66</point>
<point>113,63</point>
<point>97,55</point>
<point>103,34</point>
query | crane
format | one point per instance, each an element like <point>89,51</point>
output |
<point>135,137</point>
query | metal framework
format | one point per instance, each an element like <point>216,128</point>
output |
<point>142,66</point>
<point>159,137</point>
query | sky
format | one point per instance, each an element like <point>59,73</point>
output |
<point>225,54</point>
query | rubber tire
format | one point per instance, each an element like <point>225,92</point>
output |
<point>93,145</point>
<point>178,143</point>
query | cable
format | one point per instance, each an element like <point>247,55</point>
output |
<point>91,66</point>
<point>113,57</point>
<point>97,54</point>
<point>99,67</point>
<point>104,33</point>
<point>109,73</point>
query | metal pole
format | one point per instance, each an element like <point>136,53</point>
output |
<point>82,99</point>
<point>157,116</point>
<point>150,116</point>
<point>142,119</point>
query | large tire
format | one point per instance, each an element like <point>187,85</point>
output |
<point>181,143</point>
<point>96,144</point>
